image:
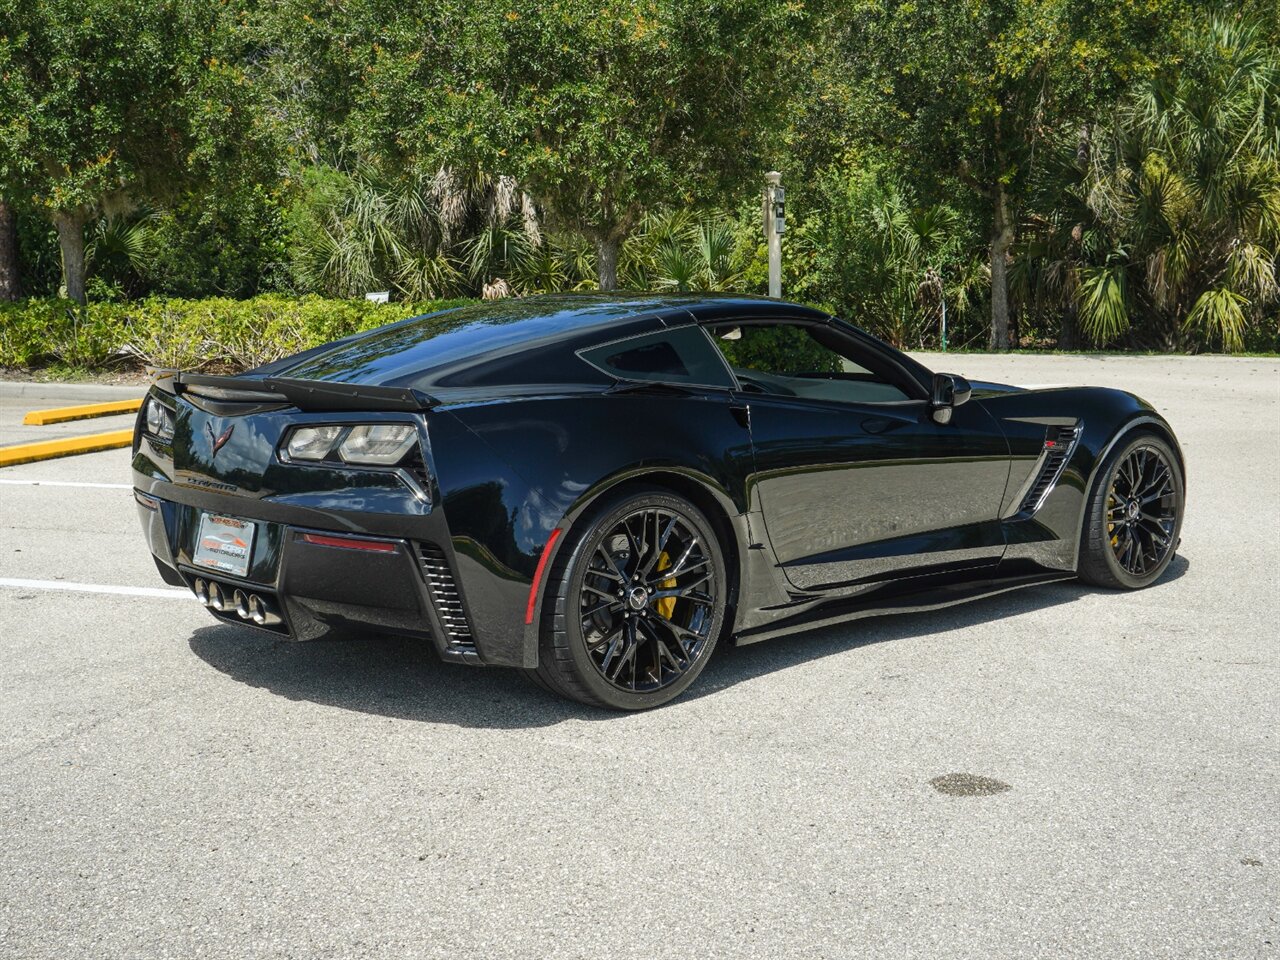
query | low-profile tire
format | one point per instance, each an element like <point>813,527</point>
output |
<point>635,603</point>
<point>1133,519</point>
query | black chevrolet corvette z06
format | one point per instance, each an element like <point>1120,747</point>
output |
<point>598,490</point>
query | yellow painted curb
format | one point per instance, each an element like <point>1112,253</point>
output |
<point>66,447</point>
<point>84,411</point>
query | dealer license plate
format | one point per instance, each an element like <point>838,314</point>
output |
<point>225,544</point>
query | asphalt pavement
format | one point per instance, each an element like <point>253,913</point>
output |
<point>1054,772</point>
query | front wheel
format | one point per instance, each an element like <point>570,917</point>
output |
<point>636,601</point>
<point>1134,518</point>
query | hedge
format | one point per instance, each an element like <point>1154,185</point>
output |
<point>213,334</point>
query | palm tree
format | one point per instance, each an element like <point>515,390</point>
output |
<point>680,250</point>
<point>120,250</point>
<point>888,263</point>
<point>366,230</point>
<point>1186,188</point>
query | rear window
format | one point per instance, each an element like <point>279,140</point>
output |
<point>683,355</point>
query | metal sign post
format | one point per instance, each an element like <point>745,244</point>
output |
<point>775,225</point>
<point>944,322</point>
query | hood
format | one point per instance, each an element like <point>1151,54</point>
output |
<point>986,388</point>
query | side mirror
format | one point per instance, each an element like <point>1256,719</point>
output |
<point>949,391</point>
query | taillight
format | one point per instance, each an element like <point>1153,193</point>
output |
<point>158,420</point>
<point>363,444</point>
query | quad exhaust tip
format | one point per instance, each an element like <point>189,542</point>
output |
<point>246,606</point>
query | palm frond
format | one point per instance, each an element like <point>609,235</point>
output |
<point>1219,314</point>
<point>1103,305</point>
<point>1252,271</point>
<point>677,266</point>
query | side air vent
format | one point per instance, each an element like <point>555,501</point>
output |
<point>1059,443</point>
<point>416,467</point>
<point>447,600</point>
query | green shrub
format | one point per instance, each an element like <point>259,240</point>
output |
<point>36,333</point>
<point>214,334</point>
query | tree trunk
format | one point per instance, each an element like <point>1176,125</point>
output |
<point>1001,241</point>
<point>70,227</point>
<point>607,262</point>
<point>8,252</point>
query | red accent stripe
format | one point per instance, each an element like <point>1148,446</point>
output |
<point>349,543</point>
<point>537,575</point>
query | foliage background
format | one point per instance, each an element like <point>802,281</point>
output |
<point>215,334</point>
<point>1047,173</point>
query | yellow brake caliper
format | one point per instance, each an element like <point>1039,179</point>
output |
<point>667,605</point>
<point>1111,512</point>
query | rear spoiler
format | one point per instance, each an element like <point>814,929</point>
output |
<point>309,395</point>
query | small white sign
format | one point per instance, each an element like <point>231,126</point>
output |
<point>380,296</point>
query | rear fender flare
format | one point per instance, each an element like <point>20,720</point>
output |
<point>700,490</point>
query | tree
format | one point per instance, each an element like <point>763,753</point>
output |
<point>599,112</point>
<point>618,109</point>
<point>351,80</point>
<point>9,283</point>
<point>972,92</point>
<point>107,104</point>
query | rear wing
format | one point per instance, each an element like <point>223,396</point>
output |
<point>308,395</point>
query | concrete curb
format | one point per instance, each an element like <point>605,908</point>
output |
<point>81,411</point>
<point>16,453</point>
<point>88,392</point>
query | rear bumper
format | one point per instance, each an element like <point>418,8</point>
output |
<point>332,583</point>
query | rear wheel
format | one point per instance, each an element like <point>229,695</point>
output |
<point>1135,515</point>
<point>636,601</point>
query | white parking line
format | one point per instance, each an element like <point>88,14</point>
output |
<point>163,593</point>
<point>66,483</point>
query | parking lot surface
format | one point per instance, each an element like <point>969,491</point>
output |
<point>174,787</point>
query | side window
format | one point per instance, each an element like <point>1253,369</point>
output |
<point>799,360</point>
<point>681,355</point>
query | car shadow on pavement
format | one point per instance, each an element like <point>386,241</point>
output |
<point>403,679</point>
<point>397,677</point>
<point>737,664</point>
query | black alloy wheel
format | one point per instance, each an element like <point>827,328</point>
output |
<point>1135,515</point>
<point>639,603</point>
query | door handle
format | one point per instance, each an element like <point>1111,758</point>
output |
<point>877,424</point>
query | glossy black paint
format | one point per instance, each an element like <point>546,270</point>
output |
<point>825,510</point>
<point>855,494</point>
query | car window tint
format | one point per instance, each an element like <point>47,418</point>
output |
<point>795,360</point>
<point>682,355</point>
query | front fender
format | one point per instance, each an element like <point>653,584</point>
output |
<point>1050,539</point>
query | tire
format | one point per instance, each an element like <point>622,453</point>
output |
<point>643,648</point>
<point>1124,547</point>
